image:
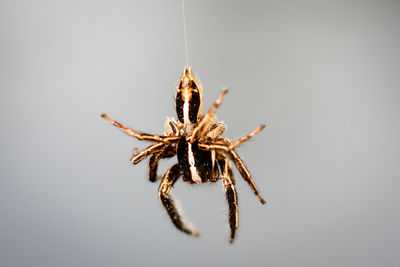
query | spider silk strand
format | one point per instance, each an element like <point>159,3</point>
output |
<point>184,33</point>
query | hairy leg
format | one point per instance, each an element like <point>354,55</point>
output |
<point>138,157</point>
<point>139,135</point>
<point>231,195</point>
<point>243,139</point>
<point>163,191</point>
<point>231,154</point>
<point>167,152</point>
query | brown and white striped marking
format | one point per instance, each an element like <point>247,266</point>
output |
<point>188,99</point>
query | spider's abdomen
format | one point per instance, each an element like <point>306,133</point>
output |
<point>196,165</point>
<point>188,102</point>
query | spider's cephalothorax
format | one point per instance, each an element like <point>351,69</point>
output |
<point>203,155</point>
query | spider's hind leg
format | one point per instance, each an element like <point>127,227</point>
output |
<point>171,129</point>
<point>245,174</point>
<point>231,195</point>
<point>163,191</point>
<point>232,155</point>
<point>139,156</point>
<point>168,152</point>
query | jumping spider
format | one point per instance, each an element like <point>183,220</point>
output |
<point>202,152</point>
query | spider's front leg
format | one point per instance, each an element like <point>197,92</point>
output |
<point>171,129</point>
<point>163,191</point>
<point>138,157</point>
<point>232,154</point>
<point>157,151</point>
<point>231,195</point>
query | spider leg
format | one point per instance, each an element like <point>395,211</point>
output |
<point>138,157</point>
<point>214,132</point>
<point>163,191</point>
<point>231,195</point>
<point>154,158</point>
<point>157,151</point>
<point>141,136</point>
<point>231,153</point>
<point>198,130</point>
<point>240,141</point>
<point>224,142</point>
<point>245,174</point>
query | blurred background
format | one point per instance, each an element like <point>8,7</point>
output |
<point>323,75</point>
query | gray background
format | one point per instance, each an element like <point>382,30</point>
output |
<point>323,76</point>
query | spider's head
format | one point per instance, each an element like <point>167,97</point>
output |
<point>188,102</point>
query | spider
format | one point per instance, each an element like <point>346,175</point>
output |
<point>201,151</point>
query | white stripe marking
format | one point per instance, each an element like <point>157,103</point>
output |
<point>212,158</point>
<point>195,176</point>
<point>186,94</point>
<point>186,110</point>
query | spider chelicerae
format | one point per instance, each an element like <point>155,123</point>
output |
<point>203,155</point>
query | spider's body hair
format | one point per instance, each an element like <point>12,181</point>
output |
<point>196,165</point>
<point>203,156</point>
